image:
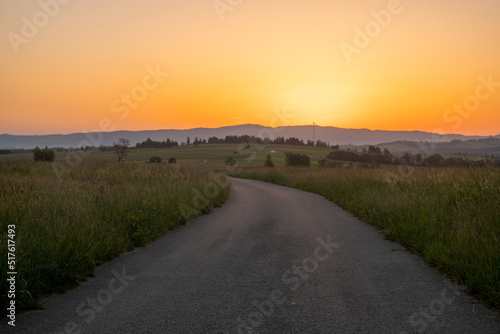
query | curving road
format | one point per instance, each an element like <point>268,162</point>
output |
<point>272,260</point>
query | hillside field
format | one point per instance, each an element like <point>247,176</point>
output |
<point>214,155</point>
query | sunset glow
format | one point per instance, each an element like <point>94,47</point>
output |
<point>161,64</point>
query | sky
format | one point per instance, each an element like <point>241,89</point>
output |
<point>84,65</point>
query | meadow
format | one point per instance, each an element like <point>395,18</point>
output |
<point>449,216</point>
<point>207,155</point>
<point>66,226</point>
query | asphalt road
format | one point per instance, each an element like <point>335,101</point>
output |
<point>271,260</point>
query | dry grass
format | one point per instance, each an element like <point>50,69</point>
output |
<point>450,216</point>
<point>65,227</point>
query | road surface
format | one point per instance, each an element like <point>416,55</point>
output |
<point>271,260</point>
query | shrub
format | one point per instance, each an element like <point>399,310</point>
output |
<point>44,155</point>
<point>172,160</point>
<point>334,164</point>
<point>230,161</point>
<point>297,159</point>
<point>155,159</point>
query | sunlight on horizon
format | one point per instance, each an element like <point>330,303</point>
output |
<point>390,65</point>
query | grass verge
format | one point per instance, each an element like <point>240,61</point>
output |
<point>449,216</point>
<point>65,227</point>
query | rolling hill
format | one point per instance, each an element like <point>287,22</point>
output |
<point>333,135</point>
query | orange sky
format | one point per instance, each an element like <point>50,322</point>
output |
<point>84,59</point>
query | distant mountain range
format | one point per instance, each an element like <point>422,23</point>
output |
<point>331,135</point>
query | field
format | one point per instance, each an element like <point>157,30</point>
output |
<point>66,226</point>
<point>449,216</point>
<point>208,155</point>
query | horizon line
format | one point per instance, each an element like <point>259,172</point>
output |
<point>246,124</point>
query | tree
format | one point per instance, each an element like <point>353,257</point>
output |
<point>172,160</point>
<point>44,155</point>
<point>121,148</point>
<point>188,141</point>
<point>374,150</point>
<point>322,163</point>
<point>268,162</point>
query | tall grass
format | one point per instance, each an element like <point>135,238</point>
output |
<point>450,216</point>
<point>65,227</point>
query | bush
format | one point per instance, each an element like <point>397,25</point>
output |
<point>334,164</point>
<point>297,159</point>
<point>44,155</point>
<point>230,161</point>
<point>155,160</point>
<point>172,161</point>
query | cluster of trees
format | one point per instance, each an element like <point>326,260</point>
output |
<point>288,141</point>
<point>196,141</point>
<point>374,155</point>
<point>235,140</point>
<point>44,155</point>
<point>297,160</point>
<point>437,160</point>
<point>148,143</point>
<point>278,141</point>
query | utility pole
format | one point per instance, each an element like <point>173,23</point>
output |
<point>314,134</point>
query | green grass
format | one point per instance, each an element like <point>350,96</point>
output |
<point>450,216</point>
<point>214,154</point>
<point>65,227</point>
